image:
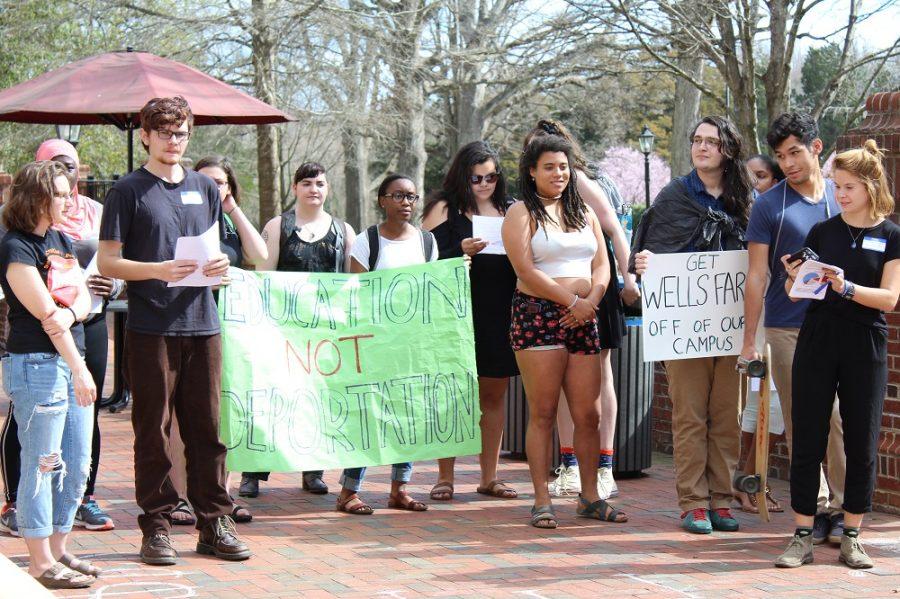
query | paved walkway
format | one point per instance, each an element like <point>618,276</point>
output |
<point>473,547</point>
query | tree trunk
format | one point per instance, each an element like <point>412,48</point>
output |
<point>266,135</point>
<point>412,156</point>
<point>356,179</point>
<point>470,119</point>
<point>687,113</point>
<point>778,74</point>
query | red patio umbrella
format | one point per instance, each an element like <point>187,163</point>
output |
<point>111,88</point>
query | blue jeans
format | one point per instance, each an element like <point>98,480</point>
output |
<point>351,478</point>
<point>55,435</point>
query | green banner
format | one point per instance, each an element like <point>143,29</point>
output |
<point>325,370</point>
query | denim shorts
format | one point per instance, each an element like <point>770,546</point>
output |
<point>535,325</point>
<point>55,434</point>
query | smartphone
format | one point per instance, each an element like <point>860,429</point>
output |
<point>803,255</point>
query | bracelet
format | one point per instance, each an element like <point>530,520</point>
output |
<point>232,210</point>
<point>574,301</point>
<point>74,317</point>
<point>849,290</point>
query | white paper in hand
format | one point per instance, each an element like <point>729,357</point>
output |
<point>810,282</point>
<point>96,300</point>
<point>201,249</point>
<point>487,228</point>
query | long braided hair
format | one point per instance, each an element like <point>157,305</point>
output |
<point>574,212</point>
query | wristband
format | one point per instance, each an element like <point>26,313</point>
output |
<point>574,301</point>
<point>849,290</point>
<point>74,318</point>
<point>232,210</point>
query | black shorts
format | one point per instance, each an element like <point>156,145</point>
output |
<point>535,325</point>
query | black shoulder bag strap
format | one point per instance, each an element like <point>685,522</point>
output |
<point>374,246</point>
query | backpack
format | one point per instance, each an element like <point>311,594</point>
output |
<point>426,238</point>
<point>289,225</point>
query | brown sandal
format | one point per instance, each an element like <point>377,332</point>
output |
<point>442,491</point>
<point>747,501</point>
<point>774,506</point>
<point>498,488</point>
<point>359,509</point>
<point>58,576</point>
<point>402,501</point>
<point>79,565</point>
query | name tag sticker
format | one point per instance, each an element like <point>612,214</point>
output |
<point>875,244</point>
<point>194,197</point>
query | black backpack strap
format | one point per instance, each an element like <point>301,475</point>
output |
<point>288,222</point>
<point>427,244</point>
<point>340,231</point>
<point>374,246</point>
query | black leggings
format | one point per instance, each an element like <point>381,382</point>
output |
<point>837,355</point>
<point>96,345</point>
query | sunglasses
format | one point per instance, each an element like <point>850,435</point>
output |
<point>489,178</point>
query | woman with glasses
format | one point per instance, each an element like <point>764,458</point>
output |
<point>394,243</point>
<point>305,238</point>
<point>82,227</point>
<point>474,185</point>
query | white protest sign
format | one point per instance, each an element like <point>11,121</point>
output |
<point>693,305</point>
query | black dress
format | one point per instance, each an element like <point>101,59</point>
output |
<point>493,282</point>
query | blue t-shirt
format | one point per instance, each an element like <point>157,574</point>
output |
<point>783,208</point>
<point>695,187</point>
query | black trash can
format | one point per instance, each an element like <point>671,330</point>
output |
<point>633,380</point>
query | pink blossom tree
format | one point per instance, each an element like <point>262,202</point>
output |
<point>625,166</point>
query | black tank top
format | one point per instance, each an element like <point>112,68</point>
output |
<point>322,255</point>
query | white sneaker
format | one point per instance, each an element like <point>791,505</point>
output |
<point>606,484</point>
<point>568,482</point>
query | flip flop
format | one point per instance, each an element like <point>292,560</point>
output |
<point>442,491</point>
<point>360,509</point>
<point>403,501</point>
<point>543,517</point>
<point>599,510</point>
<point>498,488</point>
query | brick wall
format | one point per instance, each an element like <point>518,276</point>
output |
<point>882,123</point>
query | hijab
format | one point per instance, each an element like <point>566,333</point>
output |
<point>83,216</point>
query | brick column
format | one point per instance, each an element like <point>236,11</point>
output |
<point>882,123</point>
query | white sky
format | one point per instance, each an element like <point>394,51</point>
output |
<point>877,32</point>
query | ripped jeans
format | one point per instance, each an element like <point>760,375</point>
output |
<point>55,435</point>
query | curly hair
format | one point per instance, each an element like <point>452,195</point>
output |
<point>799,124</point>
<point>574,209</point>
<point>159,113</point>
<point>31,194</point>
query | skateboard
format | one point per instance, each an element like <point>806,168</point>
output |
<point>755,483</point>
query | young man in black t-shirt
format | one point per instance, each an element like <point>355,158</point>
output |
<point>173,349</point>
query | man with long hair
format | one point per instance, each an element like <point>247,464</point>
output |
<point>174,350</point>
<point>704,391</point>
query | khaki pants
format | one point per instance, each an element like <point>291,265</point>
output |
<point>783,342</point>
<point>705,429</point>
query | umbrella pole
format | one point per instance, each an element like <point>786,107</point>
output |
<point>130,148</point>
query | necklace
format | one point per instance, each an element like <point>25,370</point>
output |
<point>855,238</point>
<point>548,199</point>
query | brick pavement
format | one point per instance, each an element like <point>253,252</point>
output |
<point>473,547</point>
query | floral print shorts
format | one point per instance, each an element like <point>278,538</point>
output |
<point>535,324</point>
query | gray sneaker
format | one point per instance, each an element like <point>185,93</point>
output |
<point>853,554</point>
<point>8,520</point>
<point>799,551</point>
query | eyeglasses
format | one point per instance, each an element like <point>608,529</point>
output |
<point>712,142</point>
<point>178,136</point>
<point>489,178</point>
<point>399,196</point>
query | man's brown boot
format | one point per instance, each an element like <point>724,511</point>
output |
<point>157,550</point>
<point>219,538</point>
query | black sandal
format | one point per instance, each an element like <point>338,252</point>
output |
<point>599,510</point>
<point>543,517</point>
<point>240,513</point>
<point>183,507</point>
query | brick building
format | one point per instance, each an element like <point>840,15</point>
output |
<point>882,123</point>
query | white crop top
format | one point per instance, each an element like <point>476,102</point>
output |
<point>559,254</point>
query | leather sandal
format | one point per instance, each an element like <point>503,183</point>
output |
<point>747,501</point>
<point>80,565</point>
<point>543,517</point>
<point>774,506</point>
<point>442,491</point>
<point>58,576</point>
<point>359,509</point>
<point>240,513</point>
<point>403,501</point>
<point>183,508</point>
<point>599,510</point>
<point>498,488</point>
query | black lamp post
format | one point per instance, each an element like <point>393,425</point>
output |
<point>70,133</point>
<point>646,140</point>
